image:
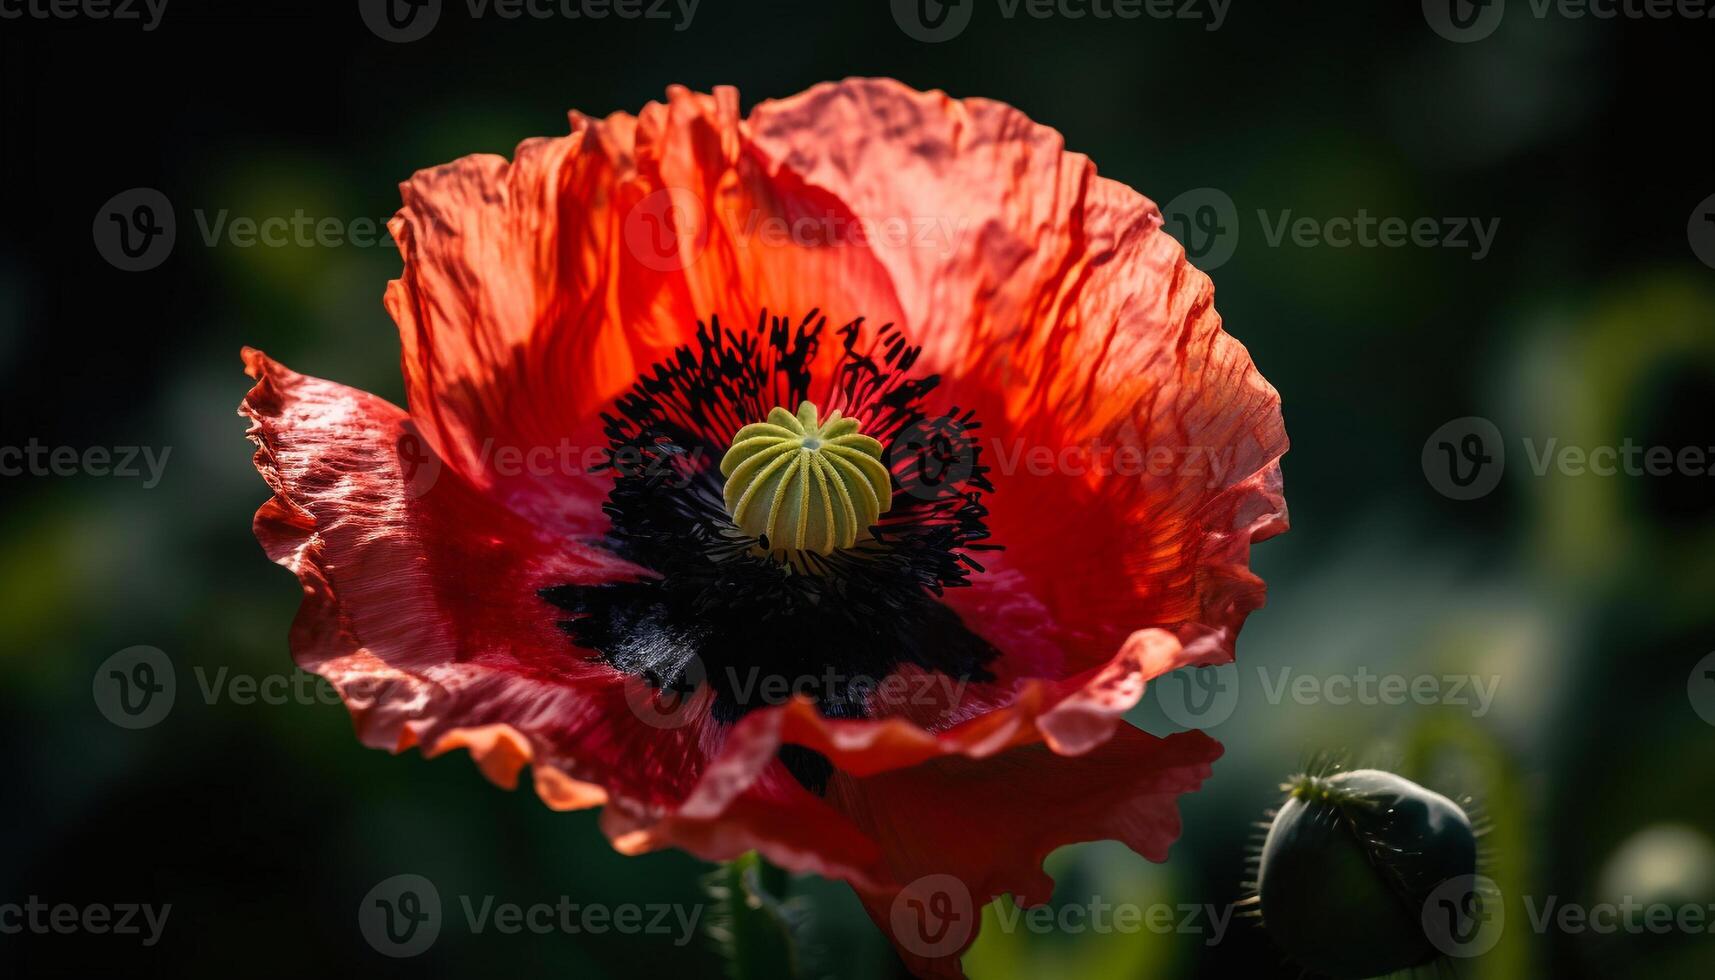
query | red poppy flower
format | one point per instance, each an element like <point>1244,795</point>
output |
<point>1064,457</point>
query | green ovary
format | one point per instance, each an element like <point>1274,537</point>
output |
<point>806,486</point>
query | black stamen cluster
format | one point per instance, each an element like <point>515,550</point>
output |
<point>723,610</point>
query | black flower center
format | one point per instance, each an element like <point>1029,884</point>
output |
<point>754,621</point>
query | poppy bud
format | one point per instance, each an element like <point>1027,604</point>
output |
<point>1348,864</point>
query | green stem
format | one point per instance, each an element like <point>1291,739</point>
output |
<point>752,925</point>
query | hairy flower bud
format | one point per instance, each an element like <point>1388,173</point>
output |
<point>1348,864</point>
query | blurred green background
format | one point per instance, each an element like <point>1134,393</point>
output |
<point>1586,600</point>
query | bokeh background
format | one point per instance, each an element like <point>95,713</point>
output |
<point>1587,599</point>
